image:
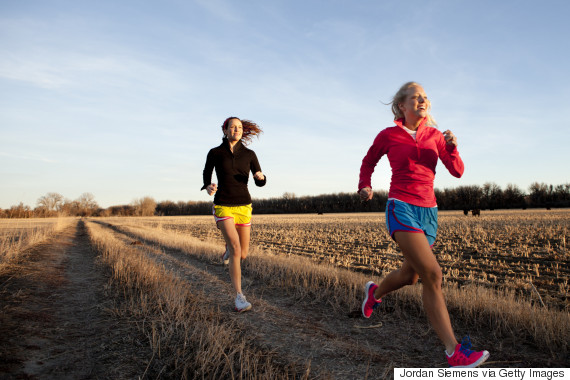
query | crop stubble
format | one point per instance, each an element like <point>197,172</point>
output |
<point>522,251</point>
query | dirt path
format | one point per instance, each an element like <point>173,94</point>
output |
<point>54,323</point>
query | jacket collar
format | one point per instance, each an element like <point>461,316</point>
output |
<point>400,123</point>
<point>226,143</point>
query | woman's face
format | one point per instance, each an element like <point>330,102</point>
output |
<point>234,131</point>
<point>415,105</point>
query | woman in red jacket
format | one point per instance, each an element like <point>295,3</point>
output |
<point>232,202</point>
<point>413,148</point>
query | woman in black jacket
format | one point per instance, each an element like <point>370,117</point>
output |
<point>232,201</point>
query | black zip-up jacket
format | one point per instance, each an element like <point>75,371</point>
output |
<point>232,170</point>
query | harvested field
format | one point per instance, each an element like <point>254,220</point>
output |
<point>513,250</point>
<point>158,302</point>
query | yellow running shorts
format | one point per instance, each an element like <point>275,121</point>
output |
<point>240,214</point>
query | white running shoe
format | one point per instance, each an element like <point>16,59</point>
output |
<point>242,304</point>
<point>226,256</point>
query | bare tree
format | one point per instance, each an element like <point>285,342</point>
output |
<point>539,194</point>
<point>51,202</point>
<point>86,204</point>
<point>468,197</point>
<point>288,195</point>
<point>144,206</point>
<point>20,211</point>
<point>492,195</point>
<point>513,196</point>
<point>69,207</point>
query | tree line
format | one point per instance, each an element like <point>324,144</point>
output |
<point>55,204</point>
<point>489,196</point>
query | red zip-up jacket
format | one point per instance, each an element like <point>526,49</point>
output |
<point>413,162</point>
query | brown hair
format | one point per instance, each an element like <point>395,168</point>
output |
<point>401,96</point>
<point>249,129</point>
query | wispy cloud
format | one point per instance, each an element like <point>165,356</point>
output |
<point>29,157</point>
<point>59,69</point>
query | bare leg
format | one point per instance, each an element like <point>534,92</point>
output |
<point>397,279</point>
<point>232,238</point>
<point>418,253</point>
<point>244,237</point>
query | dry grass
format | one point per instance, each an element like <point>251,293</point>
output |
<point>188,339</point>
<point>18,235</point>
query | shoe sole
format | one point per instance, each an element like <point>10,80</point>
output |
<point>481,360</point>
<point>366,288</point>
<point>244,309</point>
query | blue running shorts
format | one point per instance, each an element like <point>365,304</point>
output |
<point>402,216</point>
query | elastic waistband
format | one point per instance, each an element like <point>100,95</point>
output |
<point>397,200</point>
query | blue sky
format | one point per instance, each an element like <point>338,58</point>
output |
<point>123,99</point>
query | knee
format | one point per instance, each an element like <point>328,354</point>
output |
<point>235,250</point>
<point>433,277</point>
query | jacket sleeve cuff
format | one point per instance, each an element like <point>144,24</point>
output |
<point>362,184</point>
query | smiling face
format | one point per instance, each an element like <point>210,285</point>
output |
<point>415,106</point>
<point>234,130</point>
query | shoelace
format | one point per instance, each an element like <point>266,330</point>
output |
<point>465,346</point>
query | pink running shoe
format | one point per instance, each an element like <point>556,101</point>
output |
<point>370,302</point>
<point>463,357</point>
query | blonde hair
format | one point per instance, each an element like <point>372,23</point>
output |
<point>401,96</point>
